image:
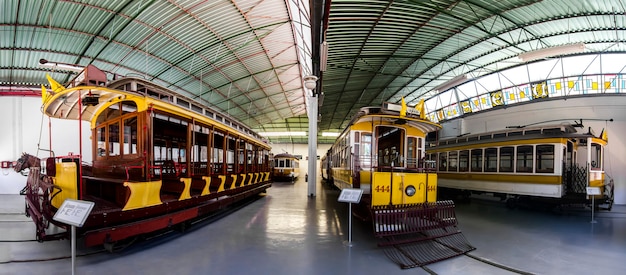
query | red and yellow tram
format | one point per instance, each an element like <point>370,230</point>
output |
<point>159,160</point>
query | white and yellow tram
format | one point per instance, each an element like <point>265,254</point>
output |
<point>285,166</point>
<point>381,154</point>
<point>552,163</point>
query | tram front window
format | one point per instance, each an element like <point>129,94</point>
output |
<point>390,149</point>
<point>596,157</point>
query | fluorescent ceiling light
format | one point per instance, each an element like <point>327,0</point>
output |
<point>457,80</point>
<point>282,134</point>
<point>552,51</point>
<point>330,134</point>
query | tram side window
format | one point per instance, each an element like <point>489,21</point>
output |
<point>412,157</point>
<point>101,136</point>
<point>230,154</point>
<point>545,158</point>
<point>453,161</point>
<point>114,139</point>
<point>596,157</point>
<point>525,159</point>
<point>130,135</point>
<point>506,159</point>
<point>463,160</point>
<point>491,160</point>
<point>443,161</point>
<point>366,149</point>
<point>477,160</point>
<point>217,157</point>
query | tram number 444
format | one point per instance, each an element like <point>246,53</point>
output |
<point>386,188</point>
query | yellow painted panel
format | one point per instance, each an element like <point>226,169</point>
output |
<point>232,185</point>
<point>186,193</point>
<point>205,190</point>
<point>526,178</point>
<point>594,85</point>
<point>143,194</point>
<point>570,84</point>
<point>365,177</point>
<point>223,179</point>
<point>607,84</point>
<point>388,187</point>
<point>65,179</point>
<point>511,96</point>
<point>557,85</point>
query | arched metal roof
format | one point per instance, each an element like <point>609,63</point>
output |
<point>385,50</point>
<point>247,57</point>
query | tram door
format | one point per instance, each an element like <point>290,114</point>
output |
<point>390,141</point>
<point>576,167</point>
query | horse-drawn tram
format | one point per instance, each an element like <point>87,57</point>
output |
<point>158,160</point>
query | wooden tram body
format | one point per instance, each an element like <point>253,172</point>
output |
<point>285,167</point>
<point>156,164</point>
<point>382,152</point>
<point>551,163</point>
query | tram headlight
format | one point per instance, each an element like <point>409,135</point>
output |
<point>410,191</point>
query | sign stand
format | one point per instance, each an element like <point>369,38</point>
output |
<point>74,213</point>
<point>592,191</point>
<point>350,195</point>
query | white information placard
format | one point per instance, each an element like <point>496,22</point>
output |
<point>593,191</point>
<point>351,195</point>
<point>73,212</point>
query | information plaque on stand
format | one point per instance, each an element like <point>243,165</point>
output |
<point>350,195</point>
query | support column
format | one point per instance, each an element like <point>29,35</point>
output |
<point>312,181</point>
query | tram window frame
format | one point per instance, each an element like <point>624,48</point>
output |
<point>506,157</point>
<point>491,159</point>
<point>442,162</point>
<point>523,158</point>
<point>544,159</point>
<point>113,134</point>
<point>464,161</point>
<point>101,137</point>
<point>130,140</point>
<point>597,152</point>
<point>412,151</point>
<point>476,159</point>
<point>453,161</point>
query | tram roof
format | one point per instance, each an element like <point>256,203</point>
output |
<point>538,133</point>
<point>248,58</point>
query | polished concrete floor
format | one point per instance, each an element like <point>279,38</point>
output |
<point>286,232</point>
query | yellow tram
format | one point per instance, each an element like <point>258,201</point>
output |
<point>552,164</point>
<point>285,166</point>
<point>160,160</point>
<point>381,152</point>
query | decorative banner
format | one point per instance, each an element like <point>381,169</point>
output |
<point>539,90</point>
<point>466,107</point>
<point>496,98</point>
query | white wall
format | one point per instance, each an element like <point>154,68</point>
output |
<point>589,109</point>
<point>23,127</point>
